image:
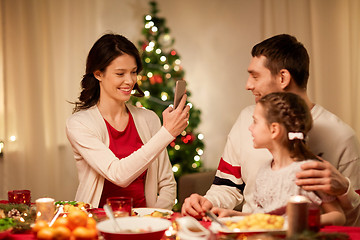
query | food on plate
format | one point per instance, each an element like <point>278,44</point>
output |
<point>161,214</point>
<point>70,206</point>
<point>257,221</point>
<point>152,212</point>
<point>6,223</point>
<point>75,224</point>
<point>156,213</point>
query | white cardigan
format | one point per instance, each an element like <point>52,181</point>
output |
<point>88,135</point>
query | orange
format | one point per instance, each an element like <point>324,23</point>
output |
<point>45,233</point>
<point>93,232</point>
<point>83,233</point>
<point>77,219</point>
<point>91,223</point>
<point>61,221</point>
<point>62,233</point>
<point>40,224</point>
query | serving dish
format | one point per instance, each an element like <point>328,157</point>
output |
<point>134,228</point>
<point>244,233</point>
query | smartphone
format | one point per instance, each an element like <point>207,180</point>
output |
<point>180,89</point>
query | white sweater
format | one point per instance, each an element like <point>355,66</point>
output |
<point>88,135</point>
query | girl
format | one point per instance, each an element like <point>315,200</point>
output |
<point>280,124</point>
<point>120,150</point>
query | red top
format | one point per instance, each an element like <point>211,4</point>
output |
<point>122,144</point>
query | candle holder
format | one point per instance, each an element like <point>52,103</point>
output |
<point>297,211</point>
<point>19,197</point>
<point>314,218</point>
<point>45,209</point>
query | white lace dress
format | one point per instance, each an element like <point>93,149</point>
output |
<point>274,187</point>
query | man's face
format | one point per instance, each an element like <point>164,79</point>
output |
<point>260,80</point>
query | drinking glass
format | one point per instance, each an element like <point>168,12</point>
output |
<point>121,206</point>
<point>314,218</point>
<point>45,209</point>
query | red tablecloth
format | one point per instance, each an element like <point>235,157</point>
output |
<point>353,232</point>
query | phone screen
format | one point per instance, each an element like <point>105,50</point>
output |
<point>180,88</point>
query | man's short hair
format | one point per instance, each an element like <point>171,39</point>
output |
<point>285,52</point>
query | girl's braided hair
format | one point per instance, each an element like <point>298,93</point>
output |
<point>291,111</point>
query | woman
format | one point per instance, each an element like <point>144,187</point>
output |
<point>120,150</point>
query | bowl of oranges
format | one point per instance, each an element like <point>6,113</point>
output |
<point>74,225</point>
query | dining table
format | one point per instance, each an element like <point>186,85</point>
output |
<point>353,233</point>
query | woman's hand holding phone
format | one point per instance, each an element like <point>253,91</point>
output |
<point>175,120</point>
<point>180,89</point>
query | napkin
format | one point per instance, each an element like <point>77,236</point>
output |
<point>191,229</point>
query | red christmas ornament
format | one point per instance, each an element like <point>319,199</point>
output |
<point>173,52</point>
<point>157,78</point>
<point>143,47</point>
<point>188,138</point>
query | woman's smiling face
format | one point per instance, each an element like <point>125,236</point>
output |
<point>118,79</point>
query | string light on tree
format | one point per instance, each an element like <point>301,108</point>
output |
<point>164,96</point>
<point>161,69</point>
<point>147,94</point>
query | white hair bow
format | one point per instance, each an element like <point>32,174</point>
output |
<point>295,135</point>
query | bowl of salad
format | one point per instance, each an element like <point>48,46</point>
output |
<point>6,225</point>
<point>134,228</point>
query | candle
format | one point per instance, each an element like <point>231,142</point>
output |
<point>297,212</point>
<point>45,209</point>
<point>19,197</point>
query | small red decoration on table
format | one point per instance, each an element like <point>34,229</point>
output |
<point>19,196</point>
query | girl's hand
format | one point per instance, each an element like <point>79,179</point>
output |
<point>176,120</point>
<point>222,212</point>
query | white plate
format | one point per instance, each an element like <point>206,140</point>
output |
<point>217,228</point>
<point>147,211</point>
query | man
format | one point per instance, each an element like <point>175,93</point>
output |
<point>281,63</point>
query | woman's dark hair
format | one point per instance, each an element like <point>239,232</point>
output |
<point>102,53</point>
<point>285,52</point>
<point>291,111</point>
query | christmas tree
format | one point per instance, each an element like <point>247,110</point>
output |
<point>162,68</point>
